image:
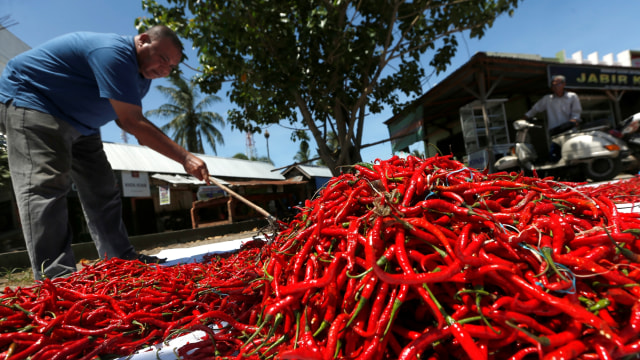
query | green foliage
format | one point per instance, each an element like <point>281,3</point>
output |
<point>189,119</point>
<point>304,152</point>
<point>259,158</point>
<point>417,153</point>
<point>302,156</point>
<point>240,156</point>
<point>324,65</point>
<point>332,144</point>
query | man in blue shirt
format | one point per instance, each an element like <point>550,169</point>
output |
<point>53,101</point>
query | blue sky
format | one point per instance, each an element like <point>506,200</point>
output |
<point>542,27</point>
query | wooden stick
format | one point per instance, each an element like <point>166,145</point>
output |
<point>262,211</point>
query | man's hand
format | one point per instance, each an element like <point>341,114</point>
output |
<point>575,123</point>
<point>131,120</point>
<point>195,166</point>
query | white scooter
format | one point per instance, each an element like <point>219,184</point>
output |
<point>628,132</point>
<point>592,154</point>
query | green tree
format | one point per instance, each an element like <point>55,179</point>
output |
<point>417,153</point>
<point>334,147</point>
<point>304,152</point>
<point>322,65</point>
<point>263,159</point>
<point>189,119</point>
<point>240,156</point>
<point>259,158</point>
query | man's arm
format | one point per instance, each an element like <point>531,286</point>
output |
<point>131,120</point>
<point>576,109</point>
<point>538,107</point>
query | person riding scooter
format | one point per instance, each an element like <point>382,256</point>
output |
<point>563,112</point>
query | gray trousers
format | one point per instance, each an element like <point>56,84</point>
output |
<point>47,155</point>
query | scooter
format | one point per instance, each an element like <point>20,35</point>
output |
<point>588,153</point>
<point>627,131</point>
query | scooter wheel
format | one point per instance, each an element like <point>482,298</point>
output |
<point>602,169</point>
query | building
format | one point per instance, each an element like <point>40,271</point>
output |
<point>10,46</point>
<point>315,176</point>
<point>159,196</point>
<point>492,90</point>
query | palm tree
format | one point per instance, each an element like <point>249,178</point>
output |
<point>302,156</point>
<point>334,146</point>
<point>332,142</point>
<point>190,121</point>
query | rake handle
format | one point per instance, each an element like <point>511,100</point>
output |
<point>262,211</point>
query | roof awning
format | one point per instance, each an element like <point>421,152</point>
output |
<point>266,182</point>
<point>183,179</point>
<point>190,180</point>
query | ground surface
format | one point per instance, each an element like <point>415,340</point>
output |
<point>21,277</point>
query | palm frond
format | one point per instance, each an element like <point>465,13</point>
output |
<point>190,121</point>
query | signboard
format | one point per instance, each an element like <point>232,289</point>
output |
<point>410,126</point>
<point>164,194</point>
<point>135,184</point>
<point>209,192</point>
<point>635,58</point>
<point>478,159</point>
<point>597,77</point>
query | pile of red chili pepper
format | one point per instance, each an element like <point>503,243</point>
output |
<point>117,307</point>
<point>621,191</point>
<point>399,259</point>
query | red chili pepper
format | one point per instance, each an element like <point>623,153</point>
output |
<point>522,353</point>
<point>457,198</point>
<point>300,353</point>
<point>332,338</point>
<point>430,336</point>
<point>423,223</point>
<point>71,349</point>
<point>411,189</point>
<point>570,309</point>
<point>634,319</point>
<point>30,349</point>
<point>610,274</point>
<point>330,307</point>
<point>367,173</point>
<point>489,184</point>
<point>349,202</point>
<point>569,351</point>
<point>422,278</point>
<point>376,308</point>
<point>328,277</point>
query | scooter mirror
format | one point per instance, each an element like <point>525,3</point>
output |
<point>522,124</point>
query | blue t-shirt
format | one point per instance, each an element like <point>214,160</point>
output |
<point>72,77</point>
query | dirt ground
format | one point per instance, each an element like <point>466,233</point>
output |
<point>13,278</point>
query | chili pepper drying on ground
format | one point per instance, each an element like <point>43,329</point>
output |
<point>346,278</point>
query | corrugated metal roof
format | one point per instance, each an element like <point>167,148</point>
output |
<point>266,182</point>
<point>315,171</point>
<point>183,179</point>
<point>141,158</point>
